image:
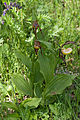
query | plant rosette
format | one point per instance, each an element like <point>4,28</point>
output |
<point>66,51</point>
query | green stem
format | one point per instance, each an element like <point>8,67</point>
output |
<point>32,75</point>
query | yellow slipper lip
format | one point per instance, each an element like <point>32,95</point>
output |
<point>66,51</point>
<point>36,47</point>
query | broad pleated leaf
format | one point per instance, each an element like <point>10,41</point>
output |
<point>32,102</point>
<point>9,105</point>
<point>47,66</point>
<point>21,84</point>
<point>24,58</point>
<point>13,116</point>
<point>38,90</point>
<point>43,36</point>
<point>38,77</point>
<point>47,44</point>
<point>58,84</point>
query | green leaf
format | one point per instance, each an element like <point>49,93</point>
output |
<point>5,47</point>
<point>38,77</point>
<point>47,44</point>
<point>33,116</point>
<point>13,116</point>
<point>21,84</point>
<point>47,66</point>
<point>1,41</point>
<point>32,102</point>
<point>55,108</point>
<point>34,17</point>
<point>38,90</point>
<point>78,77</point>
<point>58,84</point>
<point>3,89</point>
<point>43,34</point>
<point>57,31</point>
<point>9,105</point>
<point>24,58</point>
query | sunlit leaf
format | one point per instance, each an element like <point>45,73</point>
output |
<point>37,90</point>
<point>47,66</point>
<point>58,84</point>
<point>13,116</point>
<point>24,58</point>
<point>22,85</point>
<point>47,44</point>
<point>38,77</point>
<point>10,105</point>
<point>32,102</point>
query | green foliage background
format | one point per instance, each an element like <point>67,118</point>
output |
<point>59,21</point>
